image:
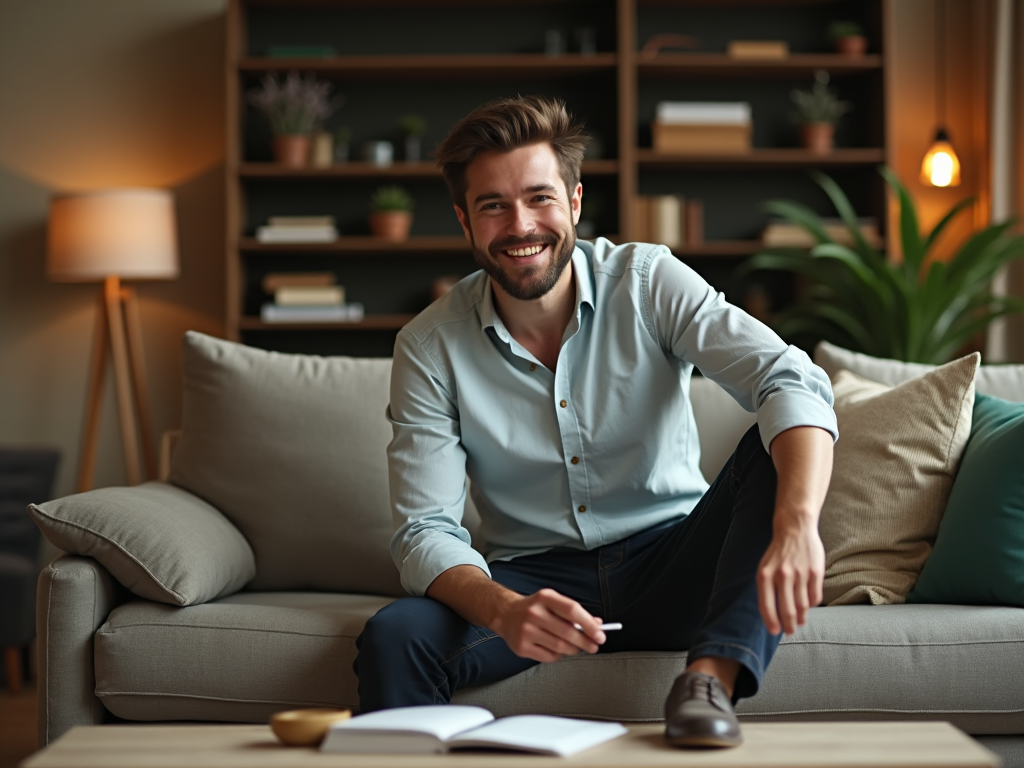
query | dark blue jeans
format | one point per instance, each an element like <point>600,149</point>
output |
<point>689,585</point>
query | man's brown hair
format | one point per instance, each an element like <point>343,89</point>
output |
<point>507,124</point>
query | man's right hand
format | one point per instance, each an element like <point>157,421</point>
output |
<point>539,626</point>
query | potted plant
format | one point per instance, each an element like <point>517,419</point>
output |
<point>818,111</point>
<point>921,310</point>
<point>848,38</point>
<point>412,127</point>
<point>391,213</point>
<point>294,107</point>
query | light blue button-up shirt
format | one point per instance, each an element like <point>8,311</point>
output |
<point>600,448</point>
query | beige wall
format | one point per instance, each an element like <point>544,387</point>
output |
<point>102,93</point>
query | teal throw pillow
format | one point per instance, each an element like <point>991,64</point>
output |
<point>978,557</point>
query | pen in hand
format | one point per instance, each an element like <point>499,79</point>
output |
<point>603,627</point>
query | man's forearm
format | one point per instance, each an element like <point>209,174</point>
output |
<point>472,594</point>
<point>803,464</point>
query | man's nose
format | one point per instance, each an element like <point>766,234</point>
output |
<point>522,221</point>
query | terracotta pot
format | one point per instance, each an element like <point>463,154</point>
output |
<point>854,45</point>
<point>292,151</point>
<point>817,137</point>
<point>391,225</point>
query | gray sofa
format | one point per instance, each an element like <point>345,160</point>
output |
<point>238,588</point>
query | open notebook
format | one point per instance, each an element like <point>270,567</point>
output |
<point>442,728</point>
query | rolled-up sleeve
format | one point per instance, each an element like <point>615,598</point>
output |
<point>745,357</point>
<point>426,471</point>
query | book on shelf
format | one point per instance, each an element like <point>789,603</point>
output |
<point>446,727</point>
<point>274,280</point>
<point>785,234</point>
<point>757,49</point>
<point>309,295</point>
<point>669,220</point>
<point>295,234</point>
<point>702,127</point>
<point>336,313</point>
<point>302,221</point>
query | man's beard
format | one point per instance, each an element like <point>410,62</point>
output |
<point>535,281</point>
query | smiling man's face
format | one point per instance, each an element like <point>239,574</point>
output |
<point>520,218</point>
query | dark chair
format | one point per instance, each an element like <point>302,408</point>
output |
<point>26,476</point>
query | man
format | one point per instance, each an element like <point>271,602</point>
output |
<point>558,379</point>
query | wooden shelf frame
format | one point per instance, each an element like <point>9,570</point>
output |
<point>398,170</point>
<point>627,72</point>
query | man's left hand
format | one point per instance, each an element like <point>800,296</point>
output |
<point>790,577</point>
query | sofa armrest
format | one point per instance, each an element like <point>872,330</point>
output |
<point>75,596</point>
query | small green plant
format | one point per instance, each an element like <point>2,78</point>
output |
<point>921,310</point>
<point>819,104</point>
<point>391,198</point>
<point>837,30</point>
<point>412,125</point>
<point>295,105</point>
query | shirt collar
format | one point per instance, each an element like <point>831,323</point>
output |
<point>582,276</point>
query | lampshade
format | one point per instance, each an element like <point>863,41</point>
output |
<point>127,233</point>
<point>941,166</point>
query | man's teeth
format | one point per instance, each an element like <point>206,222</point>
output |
<point>519,252</point>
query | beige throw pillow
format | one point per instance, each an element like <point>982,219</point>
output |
<point>897,455</point>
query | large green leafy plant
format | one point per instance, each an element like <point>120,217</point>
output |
<point>921,310</point>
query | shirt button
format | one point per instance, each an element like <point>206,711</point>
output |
<point>533,366</point>
<point>583,508</point>
<point>575,459</point>
<point>563,403</point>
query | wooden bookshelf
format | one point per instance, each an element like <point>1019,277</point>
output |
<point>385,69</point>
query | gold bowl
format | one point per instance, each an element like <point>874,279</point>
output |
<point>305,727</point>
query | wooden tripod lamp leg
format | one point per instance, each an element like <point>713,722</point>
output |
<point>94,398</point>
<point>122,379</point>
<point>138,369</point>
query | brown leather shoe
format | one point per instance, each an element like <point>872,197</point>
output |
<point>698,713</point>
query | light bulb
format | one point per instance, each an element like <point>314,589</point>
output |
<point>940,167</point>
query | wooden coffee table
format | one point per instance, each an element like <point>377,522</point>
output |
<point>767,745</point>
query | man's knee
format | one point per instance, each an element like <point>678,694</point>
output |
<point>401,624</point>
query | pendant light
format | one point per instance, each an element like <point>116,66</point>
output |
<point>941,166</point>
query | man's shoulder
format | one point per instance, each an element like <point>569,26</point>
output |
<point>456,309</point>
<point>611,260</point>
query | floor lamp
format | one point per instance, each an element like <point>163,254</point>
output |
<point>105,237</point>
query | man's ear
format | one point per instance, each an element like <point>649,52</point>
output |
<point>464,221</point>
<point>575,201</point>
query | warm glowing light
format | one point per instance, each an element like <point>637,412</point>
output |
<point>941,167</point>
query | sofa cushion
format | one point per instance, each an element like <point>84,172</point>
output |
<point>1005,381</point>
<point>244,657</point>
<point>159,541</point>
<point>895,460</point>
<point>978,557</point>
<point>291,448</point>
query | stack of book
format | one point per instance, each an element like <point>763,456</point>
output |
<point>702,127</point>
<point>307,297</point>
<point>668,220</point>
<point>298,229</point>
<point>785,234</point>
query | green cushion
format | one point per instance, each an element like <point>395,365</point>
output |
<point>979,552</point>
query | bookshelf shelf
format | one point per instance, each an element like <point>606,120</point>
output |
<point>705,65</point>
<point>356,245</point>
<point>771,158</point>
<point>398,170</point>
<point>430,66</point>
<point>370,322</point>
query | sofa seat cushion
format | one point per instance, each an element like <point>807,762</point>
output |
<point>246,656</point>
<point>238,659</point>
